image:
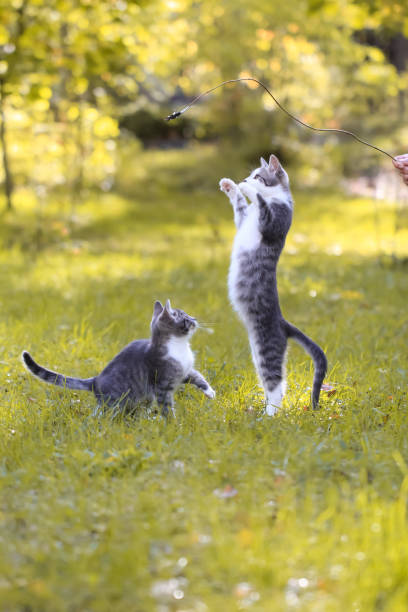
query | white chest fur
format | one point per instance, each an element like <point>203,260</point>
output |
<point>248,235</point>
<point>247,238</point>
<point>179,350</point>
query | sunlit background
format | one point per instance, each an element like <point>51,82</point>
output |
<point>106,207</point>
<point>83,81</point>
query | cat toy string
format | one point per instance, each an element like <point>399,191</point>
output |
<point>310,127</point>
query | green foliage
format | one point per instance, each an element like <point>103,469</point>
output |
<point>221,509</point>
<point>70,71</point>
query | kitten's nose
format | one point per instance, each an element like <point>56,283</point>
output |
<point>191,324</point>
<point>186,325</point>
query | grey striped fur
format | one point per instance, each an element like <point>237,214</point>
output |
<point>145,370</point>
<point>262,227</point>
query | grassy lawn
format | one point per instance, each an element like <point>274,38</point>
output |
<point>222,509</point>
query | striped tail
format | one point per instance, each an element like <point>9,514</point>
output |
<point>318,356</point>
<point>53,378</point>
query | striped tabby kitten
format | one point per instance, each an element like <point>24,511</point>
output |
<point>144,370</point>
<point>261,232</point>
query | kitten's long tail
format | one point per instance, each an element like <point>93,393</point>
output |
<point>318,356</point>
<point>53,378</point>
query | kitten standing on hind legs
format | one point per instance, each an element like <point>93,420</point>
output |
<point>262,227</point>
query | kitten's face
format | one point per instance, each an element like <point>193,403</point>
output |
<point>270,179</point>
<point>172,321</point>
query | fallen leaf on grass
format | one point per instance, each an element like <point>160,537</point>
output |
<point>167,590</point>
<point>281,478</point>
<point>226,492</point>
<point>329,388</point>
<point>245,592</point>
<point>201,538</point>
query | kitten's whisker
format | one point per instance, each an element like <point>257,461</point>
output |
<point>207,324</point>
<point>205,328</point>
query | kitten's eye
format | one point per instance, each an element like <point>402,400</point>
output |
<point>260,178</point>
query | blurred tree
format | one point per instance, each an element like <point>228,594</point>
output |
<point>11,30</point>
<point>308,53</point>
<point>70,70</point>
<point>74,63</point>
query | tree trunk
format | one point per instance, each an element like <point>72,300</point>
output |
<point>8,181</point>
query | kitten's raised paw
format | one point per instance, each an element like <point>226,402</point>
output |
<point>227,185</point>
<point>209,392</point>
<point>248,191</point>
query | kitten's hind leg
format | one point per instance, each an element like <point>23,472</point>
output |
<point>274,399</point>
<point>273,395</point>
<point>165,400</point>
<point>238,201</point>
<point>269,359</point>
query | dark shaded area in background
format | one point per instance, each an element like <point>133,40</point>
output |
<point>81,83</point>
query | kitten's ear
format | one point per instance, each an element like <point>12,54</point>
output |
<point>263,163</point>
<point>274,164</point>
<point>157,308</point>
<point>166,312</point>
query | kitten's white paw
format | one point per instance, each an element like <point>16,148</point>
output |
<point>226,185</point>
<point>248,191</point>
<point>271,410</point>
<point>209,392</point>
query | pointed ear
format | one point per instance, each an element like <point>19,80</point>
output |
<point>274,163</point>
<point>166,312</point>
<point>157,308</point>
<point>263,163</point>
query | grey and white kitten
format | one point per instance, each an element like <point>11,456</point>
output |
<point>262,227</point>
<point>144,370</point>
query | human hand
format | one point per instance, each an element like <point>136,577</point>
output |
<point>401,164</point>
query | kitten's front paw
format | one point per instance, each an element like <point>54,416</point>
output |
<point>248,191</point>
<point>227,186</point>
<point>209,392</point>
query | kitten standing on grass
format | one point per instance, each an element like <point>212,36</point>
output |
<point>144,370</point>
<point>262,227</point>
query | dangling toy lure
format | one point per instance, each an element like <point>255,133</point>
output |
<point>310,127</point>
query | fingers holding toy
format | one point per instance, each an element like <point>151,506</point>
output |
<point>401,163</point>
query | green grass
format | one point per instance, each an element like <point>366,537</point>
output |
<point>222,509</point>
